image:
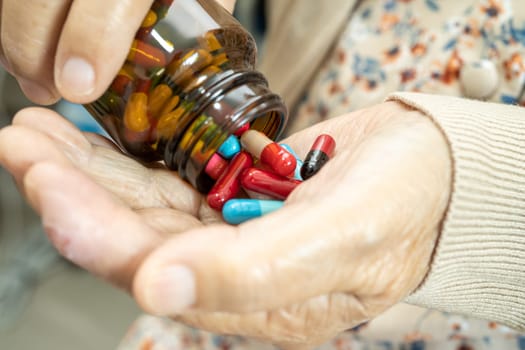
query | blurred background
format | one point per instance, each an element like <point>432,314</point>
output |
<point>45,302</point>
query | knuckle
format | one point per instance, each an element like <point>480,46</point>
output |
<point>24,57</point>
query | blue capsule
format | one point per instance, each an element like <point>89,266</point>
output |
<point>297,173</point>
<point>230,147</point>
<point>236,211</point>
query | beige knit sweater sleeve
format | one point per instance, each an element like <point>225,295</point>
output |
<point>478,268</point>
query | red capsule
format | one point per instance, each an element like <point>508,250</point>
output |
<point>216,166</point>
<point>121,84</point>
<point>142,85</point>
<point>229,184</point>
<point>242,130</point>
<point>263,182</point>
<point>280,161</point>
<point>320,153</point>
<point>146,55</point>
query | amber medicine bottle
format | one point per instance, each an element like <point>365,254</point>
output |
<point>187,84</point>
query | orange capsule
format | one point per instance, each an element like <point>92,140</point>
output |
<point>182,70</point>
<point>202,77</point>
<point>220,59</point>
<point>170,105</point>
<point>158,98</point>
<point>149,20</point>
<point>168,122</point>
<point>146,55</point>
<point>136,113</point>
<point>210,42</point>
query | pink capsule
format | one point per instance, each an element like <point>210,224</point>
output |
<point>229,184</point>
<point>269,152</point>
<point>270,184</point>
<point>216,166</point>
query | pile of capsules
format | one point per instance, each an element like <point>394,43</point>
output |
<point>149,90</point>
<point>279,171</point>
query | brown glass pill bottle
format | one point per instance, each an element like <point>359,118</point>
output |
<point>187,84</point>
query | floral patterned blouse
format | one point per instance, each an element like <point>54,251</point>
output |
<point>472,48</point>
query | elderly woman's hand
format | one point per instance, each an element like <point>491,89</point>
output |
<point>349,243</point>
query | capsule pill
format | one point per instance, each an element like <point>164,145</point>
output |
<point>269,152</point>
<point>297,172</point>
<point>136,113</point>
<point>146,55</point>
<point>321,151</point>
<point>270,184</point>
<point>230,147</point>
<point>237,211</point>
<point>216,166</point>
<point>229,184</point>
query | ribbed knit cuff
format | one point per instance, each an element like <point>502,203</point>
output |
<point>478,268</point>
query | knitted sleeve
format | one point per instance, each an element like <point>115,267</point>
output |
<point>478,268</point>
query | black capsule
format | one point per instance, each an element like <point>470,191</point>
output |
<point>320,153</point>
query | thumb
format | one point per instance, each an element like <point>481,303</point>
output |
<point>284,258</point>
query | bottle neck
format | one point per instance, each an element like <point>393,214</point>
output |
<point>219,108</point>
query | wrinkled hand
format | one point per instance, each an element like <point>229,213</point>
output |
<point>349,243</point>
<point>68,48</point>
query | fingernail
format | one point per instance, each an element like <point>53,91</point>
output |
<point>36,92</point>
<point>77,77</point>
<point>171,291</point>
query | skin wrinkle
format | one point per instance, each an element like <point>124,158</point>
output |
<point>194,202</point>
<point>222,258</point>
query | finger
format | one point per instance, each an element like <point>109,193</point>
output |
<point>3,60</point>
<point>30,31</point>
<point>132,182</point>
<point>49,123</point>
<point>87,225</point>
<point>294,327</point>
<point>94,43</point>
<point>21,147</point>
<point>99,140</point>
<point>245,268</point>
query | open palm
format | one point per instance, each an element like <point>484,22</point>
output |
<point>349,243</point>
